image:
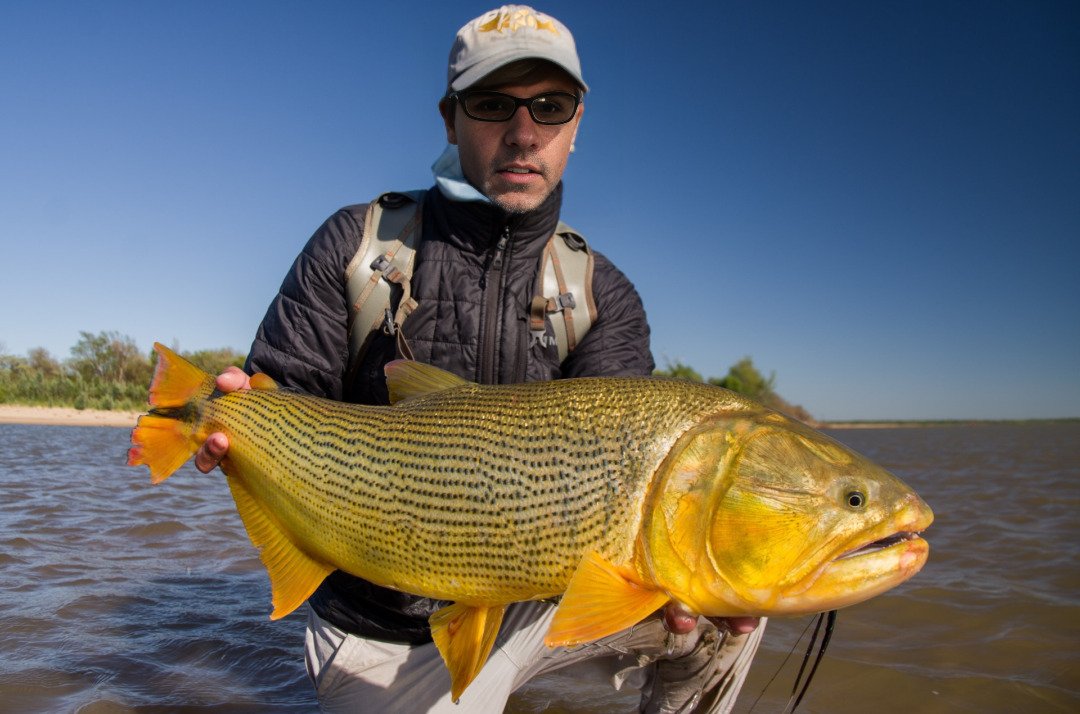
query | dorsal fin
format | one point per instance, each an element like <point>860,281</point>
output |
<point>406,378</point>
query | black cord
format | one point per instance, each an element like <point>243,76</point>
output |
<point>796,694</point>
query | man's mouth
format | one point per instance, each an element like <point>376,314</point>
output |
<point>519,168</point>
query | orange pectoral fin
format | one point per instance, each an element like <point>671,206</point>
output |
<point>601,600</point>
<point>465,635</point>
<point>294,575</point>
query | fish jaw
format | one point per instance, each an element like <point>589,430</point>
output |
<point>882,559</point>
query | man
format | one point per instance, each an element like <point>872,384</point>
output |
<point>511,114</point>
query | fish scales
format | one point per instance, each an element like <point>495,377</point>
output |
<point>476,494</point>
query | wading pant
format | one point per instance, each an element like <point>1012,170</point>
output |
<point>701,671</point>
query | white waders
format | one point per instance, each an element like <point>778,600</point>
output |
<point>701,671</point>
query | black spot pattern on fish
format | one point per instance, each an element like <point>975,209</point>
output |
<point>478,494</point>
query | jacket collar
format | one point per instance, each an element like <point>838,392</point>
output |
<point>476,226</point>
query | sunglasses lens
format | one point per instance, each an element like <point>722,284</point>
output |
<point>555,108</point>
<point>551,108</point>
<point>489,106</point>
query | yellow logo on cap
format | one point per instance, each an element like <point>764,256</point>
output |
<point>514,21</point>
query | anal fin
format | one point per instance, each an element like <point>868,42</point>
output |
<point>601,600</point>
<point>465,635</point>
<point>294,575</point>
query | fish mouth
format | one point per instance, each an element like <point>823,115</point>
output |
<point>899,538</point>
<point>867,566</point>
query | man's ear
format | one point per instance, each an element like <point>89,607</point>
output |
<point>577,125</point>
<point>447,109</point>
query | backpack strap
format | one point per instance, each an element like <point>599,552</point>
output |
<point>565,291</point>
<point>377,278</point>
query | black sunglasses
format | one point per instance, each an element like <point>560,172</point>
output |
<point>547,108</point>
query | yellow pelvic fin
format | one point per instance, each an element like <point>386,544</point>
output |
<point>294,574</point>
<point>602,599</point>
<point>406,378</point>
<point>465,635</point>
<point>164,439</point>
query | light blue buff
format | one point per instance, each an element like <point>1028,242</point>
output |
<point>451,179</point>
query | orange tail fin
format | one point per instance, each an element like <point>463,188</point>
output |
<point>165,438</point>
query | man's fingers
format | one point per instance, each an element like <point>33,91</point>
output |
<point>232,379</point>
<point>209,455</point>
<point>740,625</point>
<point>678,620</point>
<point>211,452</point>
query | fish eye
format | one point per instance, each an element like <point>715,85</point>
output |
<point>855,499</point>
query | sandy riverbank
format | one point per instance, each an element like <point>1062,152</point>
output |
<point>65,416</point>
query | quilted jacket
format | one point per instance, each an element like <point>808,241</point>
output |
<point>474,278</point>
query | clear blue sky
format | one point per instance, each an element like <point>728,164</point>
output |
<point>877,201</point>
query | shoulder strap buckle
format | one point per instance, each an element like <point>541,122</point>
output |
<point>377,279</point>
<point>565,292</point>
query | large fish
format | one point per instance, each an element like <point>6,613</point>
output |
<point>618,494</point>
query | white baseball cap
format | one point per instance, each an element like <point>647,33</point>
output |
<point>508,34</point>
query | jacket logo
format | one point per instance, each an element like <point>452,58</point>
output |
<point>515,20</point>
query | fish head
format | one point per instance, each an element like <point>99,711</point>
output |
<point>762,515</point>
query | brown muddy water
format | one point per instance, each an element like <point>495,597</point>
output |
<point>117,596</point>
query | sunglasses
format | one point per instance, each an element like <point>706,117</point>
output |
<point>547,108</point>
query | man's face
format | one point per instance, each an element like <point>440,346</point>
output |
<point>516,163</point>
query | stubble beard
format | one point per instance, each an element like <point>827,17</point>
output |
<point>516,200</point>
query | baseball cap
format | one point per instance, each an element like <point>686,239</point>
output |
<point>508,34</point>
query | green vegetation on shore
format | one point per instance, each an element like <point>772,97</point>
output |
<point>107,371</point>
<point>104,371</point>
<point>742,377</point>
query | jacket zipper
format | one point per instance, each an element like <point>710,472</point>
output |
<point>493,289</point>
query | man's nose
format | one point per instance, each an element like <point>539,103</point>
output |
<point>522,130</point>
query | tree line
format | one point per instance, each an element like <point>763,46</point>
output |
<point>108,371</point>
<point>742,377</point>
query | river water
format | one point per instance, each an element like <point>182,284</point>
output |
<point>118,596</point>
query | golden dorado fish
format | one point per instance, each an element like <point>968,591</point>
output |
<point>620,494</point>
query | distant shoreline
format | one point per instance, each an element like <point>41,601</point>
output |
<point>65,416</point>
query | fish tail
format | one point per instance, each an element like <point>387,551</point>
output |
<point>166,437</point>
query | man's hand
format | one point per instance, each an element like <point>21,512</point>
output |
<point>678,620</point>
<point>209,455</point>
